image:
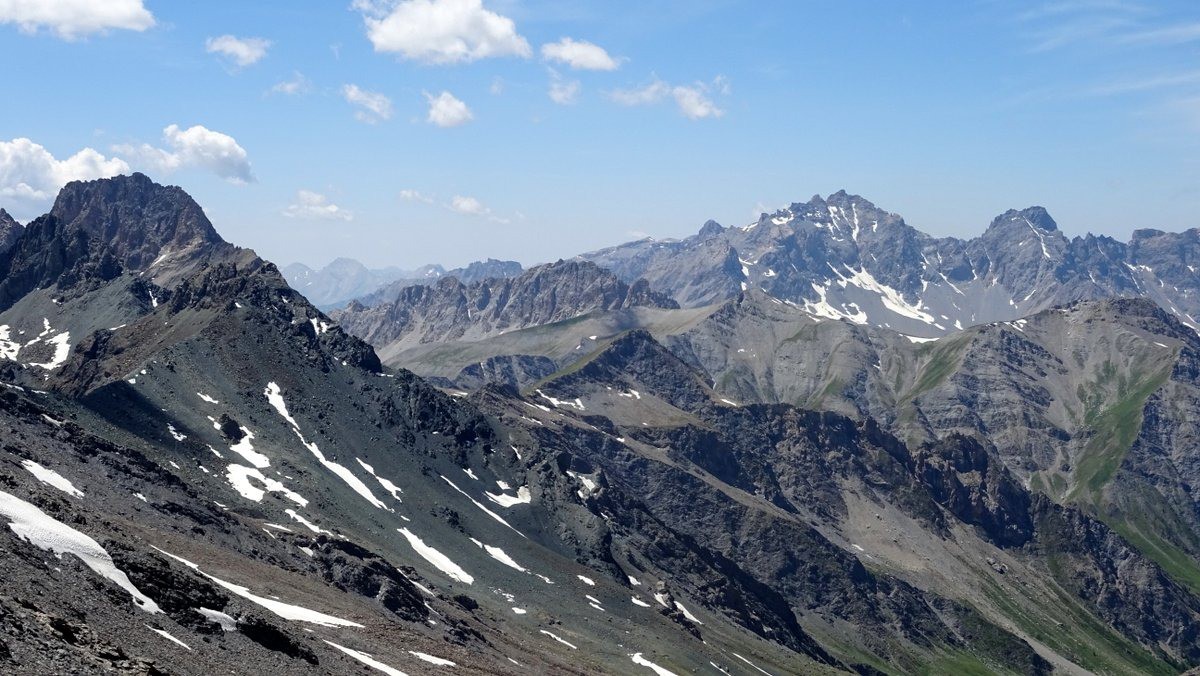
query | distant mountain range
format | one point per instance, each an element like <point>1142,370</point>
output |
<point>346,279</point>
<point>843,257</point>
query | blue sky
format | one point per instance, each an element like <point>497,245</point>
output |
<point>671,113</point>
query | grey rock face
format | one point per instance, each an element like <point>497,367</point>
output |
<point>452,310</point>
<point>843,257</point>
<point>10,230</point>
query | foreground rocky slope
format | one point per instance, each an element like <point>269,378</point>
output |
<point>203,472</point>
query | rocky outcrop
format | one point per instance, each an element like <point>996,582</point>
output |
<point>452,310</point>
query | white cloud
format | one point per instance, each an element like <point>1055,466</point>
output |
<point>447,111</point>
<point>30,176</point>
<point>373,106</point>
<point>563,92</point>
<point>580,55</point>
<point>440,31</point>
<point>296,85</point>
<point>73,19</point>
<point>312,206</point>
<point>196,146</point>
<point>241,52</point>
<point>409,195</point>
<point>694,103</point>
<point>469,206</point>
<point>497,86</point>
<point>692,100</point>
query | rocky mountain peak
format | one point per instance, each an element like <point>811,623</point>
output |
<point>1036,217</point>
<point>710,228</point>
<point>10,230</point>
<point>137,219</point>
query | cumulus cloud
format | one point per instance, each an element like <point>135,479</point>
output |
<point>313,206</point>
<point>73,19</point>
<point>469,206</point>
<point>694,101</point>
<point>30,175</point>
<point>563,92</point>
<point>194,147</point>
<point>372,106</point>
<point>440,31</point>
<point>580,55</point>
<point>293,86</point>
<point>447,111</point>
<point>241,52</point>
<point>409,195</point>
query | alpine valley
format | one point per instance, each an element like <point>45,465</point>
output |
<point>821,443</point>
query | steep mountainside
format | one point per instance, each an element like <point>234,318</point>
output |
<point>843,257</point>
<point>202,473</point>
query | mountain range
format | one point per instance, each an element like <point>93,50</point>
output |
<point>602,465</point>
<point>345,279</point>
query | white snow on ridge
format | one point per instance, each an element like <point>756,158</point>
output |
<point>368,660</point>
<point>638,659</point>
<point>285,610</point>
<point>577,404</point>
<point>305,522</point>
<point>500,555</point>
<point>245,448</point>
<point>556,638</point>
<point>586,580</point>
<point>687,613</point>
<point>387,484</point>
<point>62,349</point>
<point>169,637</point>
<point>41,530</point>
<point>207,398</point>
<point>751,664</point>
<point>438,559</point>
<point>479,504</point>
<point>51,478</point>
<point>639,602</point>
<point>275,398</point>
<point>9,349</point>
<point>239,477</point>
<point>524,497</point>
<point>227,623</point>
<point>424,657</point>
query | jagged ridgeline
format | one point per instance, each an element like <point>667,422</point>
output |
<point>591,466</point>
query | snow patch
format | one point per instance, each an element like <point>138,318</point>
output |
<point>39,529</point>
<point>524,497</point>
<point>438,559</point>
<point>167,636</point>
<point>285,610</point>
<point>638,659</point>
<point>431,659</point>
<point>51,478</point>
<point>368,660</point>
<point>556,638</point>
